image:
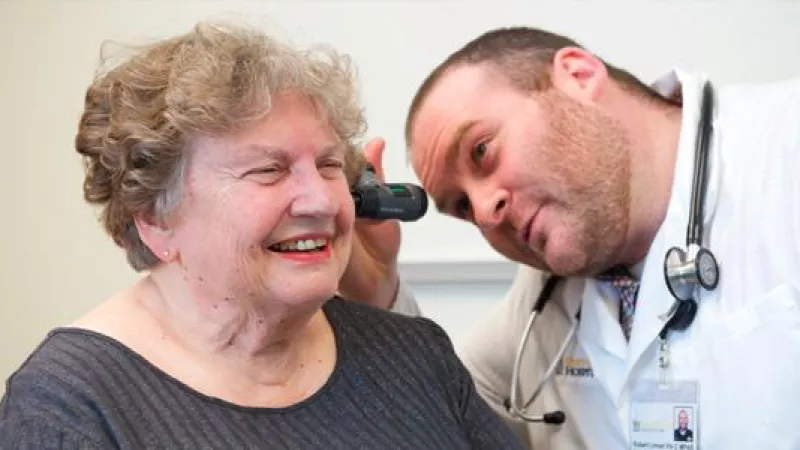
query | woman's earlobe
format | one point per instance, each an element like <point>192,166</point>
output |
<point>156,237</point>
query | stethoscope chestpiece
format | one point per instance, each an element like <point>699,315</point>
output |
<point>685,270</point>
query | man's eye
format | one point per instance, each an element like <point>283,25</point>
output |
<point>462,207</point>
<point>479,151</point>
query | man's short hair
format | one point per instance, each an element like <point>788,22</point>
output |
<point>524,56</point>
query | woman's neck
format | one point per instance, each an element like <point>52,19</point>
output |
<point>247,352</point>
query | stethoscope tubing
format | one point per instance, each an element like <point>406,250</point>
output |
<point>516,410</point>
<point>694,234</point>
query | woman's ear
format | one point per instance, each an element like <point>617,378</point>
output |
<point>579,73</point>
<point>157,237</point>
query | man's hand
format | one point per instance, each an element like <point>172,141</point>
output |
<point>371,275</point>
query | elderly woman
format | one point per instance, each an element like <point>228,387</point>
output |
<point>222,161</point>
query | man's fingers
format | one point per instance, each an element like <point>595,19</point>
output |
<point>373,152</point>
<point>364,222</point>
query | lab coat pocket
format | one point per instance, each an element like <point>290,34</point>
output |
<point>750,374</point>
<point>775,313</point>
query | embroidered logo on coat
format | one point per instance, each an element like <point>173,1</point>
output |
<point>571,366</point>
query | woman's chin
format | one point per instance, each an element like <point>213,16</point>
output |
<point>306,291</point>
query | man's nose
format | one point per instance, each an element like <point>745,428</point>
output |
<point>315,197</point>
<point>490,208</point>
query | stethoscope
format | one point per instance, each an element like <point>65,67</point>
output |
<point>684,270</point>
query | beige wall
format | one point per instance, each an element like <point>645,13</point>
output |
<point>56,262</point>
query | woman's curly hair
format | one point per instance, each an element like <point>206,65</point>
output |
<point>140,116</point>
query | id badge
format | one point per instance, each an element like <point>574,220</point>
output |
<point>664,415</point>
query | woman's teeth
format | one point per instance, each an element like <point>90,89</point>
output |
<point>299,245</point>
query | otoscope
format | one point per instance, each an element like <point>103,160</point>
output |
<point>399,201</point>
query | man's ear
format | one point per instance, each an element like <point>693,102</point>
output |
<point>157,237</point>
<point>579,73</point>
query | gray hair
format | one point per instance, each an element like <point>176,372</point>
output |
<point>140,116</point>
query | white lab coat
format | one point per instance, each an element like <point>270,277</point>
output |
<point>743,348</point>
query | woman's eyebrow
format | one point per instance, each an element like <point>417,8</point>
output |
<point>270,151</point>
<point>248,154</point>
<point>256,152</point>
<point>337,148</point>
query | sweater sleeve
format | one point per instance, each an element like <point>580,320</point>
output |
<point>40,434</point>
<point>40,410</point>
<point>482,426</point>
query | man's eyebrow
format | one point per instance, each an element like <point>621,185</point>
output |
<point>451,154</point>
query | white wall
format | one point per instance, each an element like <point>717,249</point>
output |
<point>55,261</point>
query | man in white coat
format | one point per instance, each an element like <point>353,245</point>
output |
<point>571,166</point>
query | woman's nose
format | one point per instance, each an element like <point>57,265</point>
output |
<point>315,197</point>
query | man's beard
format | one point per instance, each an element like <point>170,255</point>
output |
<point>589,154</point>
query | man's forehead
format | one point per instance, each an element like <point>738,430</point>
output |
<point>454,98</point>
<point>451,107</point>
<point>460,84</point>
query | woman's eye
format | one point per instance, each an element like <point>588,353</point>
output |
<point>266,170</point>
<point>265,175</point>
<point>332,168</point>
<point>479,151</point>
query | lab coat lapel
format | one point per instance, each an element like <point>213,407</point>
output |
<point>654,300</point>
<point>601,337</point>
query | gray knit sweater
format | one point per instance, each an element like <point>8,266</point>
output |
<point>397,384</point>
